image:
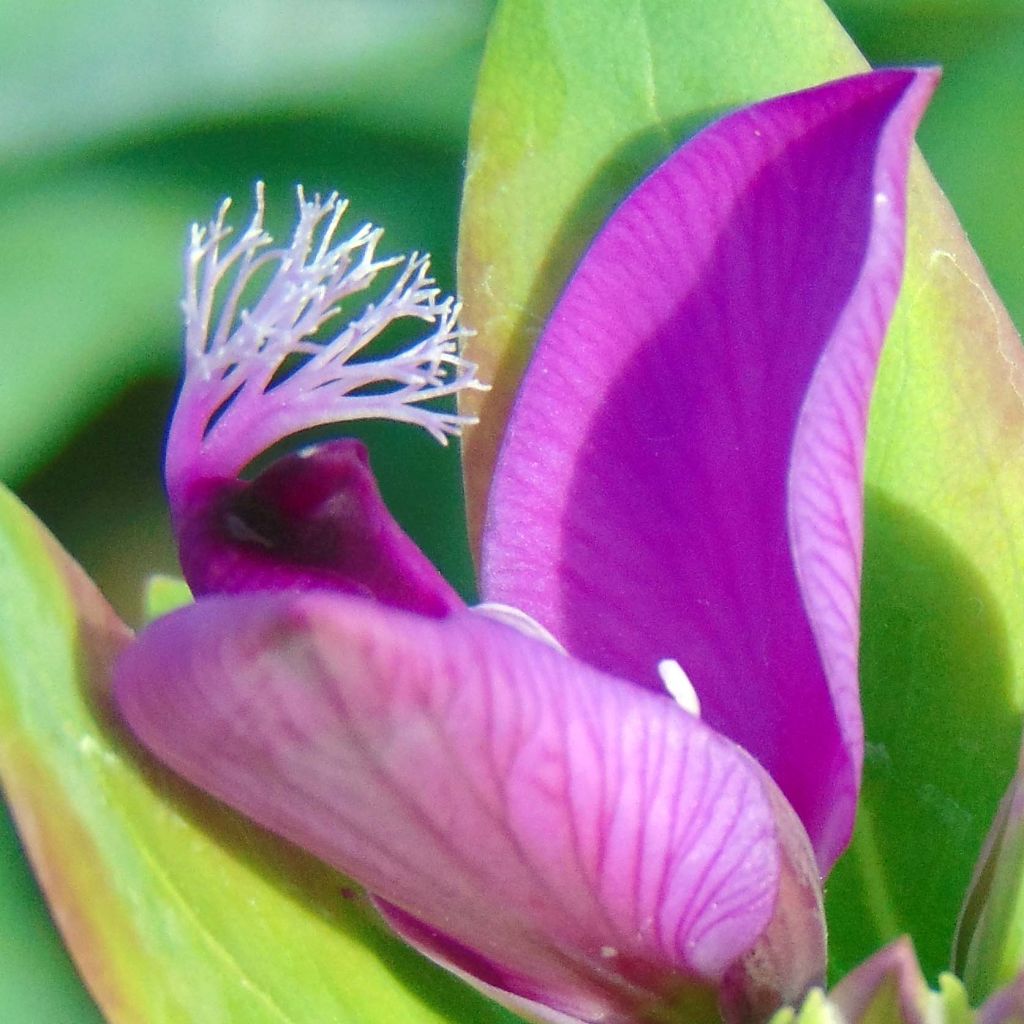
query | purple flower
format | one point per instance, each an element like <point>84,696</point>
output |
<point>535,792</point>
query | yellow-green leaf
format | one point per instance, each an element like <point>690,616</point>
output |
<point>163,594</point>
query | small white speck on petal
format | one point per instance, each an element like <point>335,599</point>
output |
<point>678,684</point>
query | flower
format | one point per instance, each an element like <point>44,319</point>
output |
<point>679,486</point>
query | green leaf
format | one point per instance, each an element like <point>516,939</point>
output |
<point>983,179</point>
<point>579,99</point>
<point>174,908</point>
<point>163,594</point>
<point>942,652</point>
<point>981,46</point>
<point>88,303</point>
<point>111,143</point>
<point>38,982</point>
<point>68,80</point>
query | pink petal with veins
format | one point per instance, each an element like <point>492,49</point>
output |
<point>556,833</point>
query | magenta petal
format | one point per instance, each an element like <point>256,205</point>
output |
<point>556,833</point>
<point>682,473</point>
<point>311,520</point>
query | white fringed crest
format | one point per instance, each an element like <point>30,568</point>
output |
<point>236,370</point>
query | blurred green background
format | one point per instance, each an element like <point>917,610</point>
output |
<point>121,121</point>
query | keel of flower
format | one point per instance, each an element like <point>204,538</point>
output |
<point>311,520</point>
<point>258,373</point>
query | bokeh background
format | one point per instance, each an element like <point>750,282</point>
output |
<point>121,121</point>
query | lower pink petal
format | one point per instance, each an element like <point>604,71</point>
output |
<point>556,833</point>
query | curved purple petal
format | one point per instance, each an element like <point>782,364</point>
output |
<point>311,520</point>
<point>682,473</point>
<point>556,833</point>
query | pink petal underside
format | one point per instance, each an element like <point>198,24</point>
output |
<point>565,836</point>
<point>682,473</point>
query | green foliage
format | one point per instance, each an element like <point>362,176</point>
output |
<point>989,951</point>
<point>111,142</point>
<point>164,594</point>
